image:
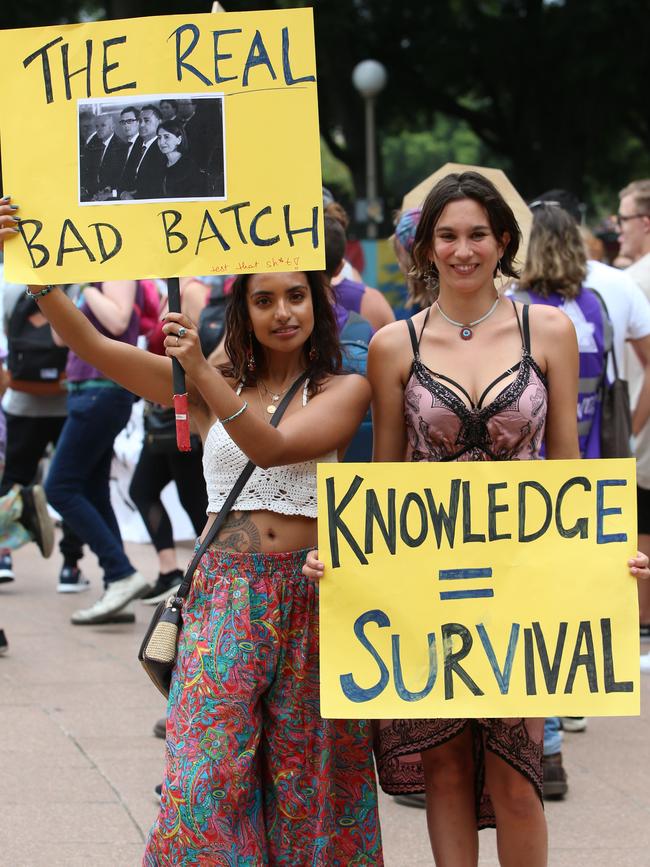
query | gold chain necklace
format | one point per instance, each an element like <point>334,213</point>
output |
<point>275,397</point>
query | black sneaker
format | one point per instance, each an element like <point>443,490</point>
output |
<point>36,519</point>
<point>165,585</point>
<point>71,580</point>
<point>6,569</point>
<point>4,644</point>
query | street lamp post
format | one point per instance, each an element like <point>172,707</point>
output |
<point>369,77</point>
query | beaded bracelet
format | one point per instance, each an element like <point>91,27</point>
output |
<point>235,415</point>
<point>36,295</point>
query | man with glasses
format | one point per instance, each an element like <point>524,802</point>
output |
<point>634,230</point>
<point>634,239</point>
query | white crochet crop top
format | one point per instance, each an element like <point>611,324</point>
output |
<point>288,490</point>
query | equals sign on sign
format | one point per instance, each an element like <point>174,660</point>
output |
<point>464,574</point>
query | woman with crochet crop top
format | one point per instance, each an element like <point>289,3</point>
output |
<point>473,377</point>
<point>254,775</point>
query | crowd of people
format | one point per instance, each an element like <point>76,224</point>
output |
<point>519,361</point>
<point>166,150</point>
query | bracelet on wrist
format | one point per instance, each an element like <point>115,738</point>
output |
<point>35,296</point>
<point>235,415</point>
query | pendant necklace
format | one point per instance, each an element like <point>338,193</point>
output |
<point>271,407</point>
<point>466,332</point>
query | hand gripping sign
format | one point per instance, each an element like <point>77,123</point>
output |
<point>478,589</point>
<point>161,146</point>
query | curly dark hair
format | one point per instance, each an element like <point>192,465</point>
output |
<point>324,337</point>
<point>453,188</point>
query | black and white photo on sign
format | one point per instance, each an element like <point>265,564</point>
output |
<point>151,148</point>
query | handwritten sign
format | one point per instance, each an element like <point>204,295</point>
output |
<point>165,146</point>
<point>478,589</point>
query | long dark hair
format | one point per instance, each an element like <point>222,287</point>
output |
<point>453,188</point>
<point>324,338</point>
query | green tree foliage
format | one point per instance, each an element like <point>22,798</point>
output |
<point>554,89</point>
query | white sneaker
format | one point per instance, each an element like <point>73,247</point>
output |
<point>115,597</point>
<point>574,723</point>
<point>645,663</point>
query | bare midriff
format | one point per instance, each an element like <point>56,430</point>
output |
<point>264,532</point>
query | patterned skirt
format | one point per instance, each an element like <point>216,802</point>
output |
<point>399,743</point>
<point>254,776</point>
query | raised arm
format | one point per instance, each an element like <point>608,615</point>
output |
<point>143,373</point>
<point>113,305</point>
<point>326,424</point>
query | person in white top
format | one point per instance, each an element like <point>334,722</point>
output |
<point>252,768</point>
<point>634,237</point>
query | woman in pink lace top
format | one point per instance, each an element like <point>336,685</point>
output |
<point>474,377</point>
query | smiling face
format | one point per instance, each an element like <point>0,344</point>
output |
<point>464,249</point>
<point>280,310</point>
<point>168,142</point>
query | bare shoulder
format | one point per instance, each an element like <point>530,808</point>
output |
<point>550,323</point>
<point>392,338</point>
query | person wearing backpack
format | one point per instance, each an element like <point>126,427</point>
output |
<point>355,333</point>
<point>554,274</point>
<point>35,410</point>
<point>78,482</point>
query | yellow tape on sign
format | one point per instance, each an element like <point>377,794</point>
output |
<point>478,589</point>
<point>163,146</point>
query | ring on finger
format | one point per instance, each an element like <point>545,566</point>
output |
<point>182,332</point>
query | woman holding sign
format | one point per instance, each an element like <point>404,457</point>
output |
<point>473,377</point>
<point>254,775</point>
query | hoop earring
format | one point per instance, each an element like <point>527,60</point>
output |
<point>313,352</point>
<point>250,355</point>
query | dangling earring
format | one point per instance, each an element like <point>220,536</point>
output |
<point>313,352</point>
<point>250,355</point>
<point>431,277</point>
<point>498,270</point>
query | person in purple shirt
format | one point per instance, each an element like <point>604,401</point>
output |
<point>78,482</point>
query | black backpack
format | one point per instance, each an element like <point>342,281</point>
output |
<point>33,354</point>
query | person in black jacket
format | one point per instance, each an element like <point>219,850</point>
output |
<point>147,178</point>
<point>182,178</point>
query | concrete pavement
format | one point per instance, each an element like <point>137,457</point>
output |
<point>79,762</point>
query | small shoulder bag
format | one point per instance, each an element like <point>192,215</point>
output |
<point>160,644</point>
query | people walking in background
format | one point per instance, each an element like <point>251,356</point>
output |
<point>161,462</point>
<point>634,237</point>
<point>554,274</point>
<point>78,481</point>
<point>35,406</point>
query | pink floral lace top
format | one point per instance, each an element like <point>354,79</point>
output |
<point>442,426</point>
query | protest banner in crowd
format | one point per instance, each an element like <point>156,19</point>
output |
<point>162,146</point>
<point>487,589</point>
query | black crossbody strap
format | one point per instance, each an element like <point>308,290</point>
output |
<point>246,473</point>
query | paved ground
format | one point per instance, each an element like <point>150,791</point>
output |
<point>79,762</point>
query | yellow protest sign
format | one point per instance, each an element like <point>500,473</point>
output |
<point>163,146</point>
<point>495,589</point>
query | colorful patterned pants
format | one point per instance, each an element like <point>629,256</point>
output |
<point>254,776</point>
